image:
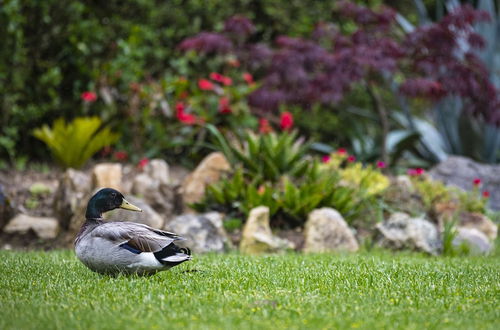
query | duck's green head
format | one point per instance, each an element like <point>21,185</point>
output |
<point>105,200</point>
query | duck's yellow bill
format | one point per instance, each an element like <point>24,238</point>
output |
<point>127,206</point>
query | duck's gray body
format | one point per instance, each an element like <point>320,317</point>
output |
<point>126,247</point>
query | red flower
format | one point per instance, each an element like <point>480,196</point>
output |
<point>226,81</point>
<point>224,106</point>
<point>88,96</point>
<point>248,78</point>
<point>142,163</point>
<point>183,117</point>
<point>486,194</point>
<point>286,122</point>
<point>351,159</point>
<point>183,95</point>
<point>476,182</point>
<point>341,151</point>
<point>381,164</point>
<point>325,159</point>
<point>120,155</point>
<point>205,85</point>
<point>264,126</point>
<point>179,107</point>
<point>216,76</point>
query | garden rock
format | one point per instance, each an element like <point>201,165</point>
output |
<point>6,209</point>
<point>46,228</point>
<point>475,239</point>
<point>158,170</point>
<point>257,237</point>
<point>160,196</point>
<point>148,216</point>
<point>326,230</point>
<point>107,175</point>
<point>401,231</point>
<point>208,171</point>
<point>74,187</point>
<point>401,196</point>
<point>461,171</point>
<point>204,232</point>
<point>480,222</point>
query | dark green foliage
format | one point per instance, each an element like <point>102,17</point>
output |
<point>273,170</point>
<point>54,50</point>
<point>267,157</point>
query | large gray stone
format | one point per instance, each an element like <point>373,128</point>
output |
<point>460,172</point>
<point>475,239</point>
<point>480,222</point>
<point>160,196</point>
<point>46,228</point>
<point>148,216</point>
<point>71,195</point>
<point>326,231</point>
<point>401,231</point>
<point>257,237</point>
<point>204,232</point>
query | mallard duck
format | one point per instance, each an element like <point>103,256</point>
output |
<point>124,247</point>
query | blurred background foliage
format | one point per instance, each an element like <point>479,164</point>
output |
<point>128,54</point>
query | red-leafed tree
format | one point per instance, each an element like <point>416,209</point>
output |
<point>437,60</point>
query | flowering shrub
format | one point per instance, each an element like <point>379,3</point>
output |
<point>371,55</point>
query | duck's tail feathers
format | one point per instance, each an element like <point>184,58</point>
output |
<point>173,255</point>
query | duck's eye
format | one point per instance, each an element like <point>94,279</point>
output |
<point>113,195</point>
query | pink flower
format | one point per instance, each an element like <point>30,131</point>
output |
<point>248,78</point>
<point>142,163</point>
<point>381,164</point>
<point>286,121</point>
<point>341,151</point>
<point>205,85</point>
<point>351,159</point>
<point>264,126</point>
<point>415,171</point>
<point>88,96</point>
<point>224,106</point>
<point>120,155</point>
<point>325,159</point>
<point>486,194</point>
<point>476,182</point>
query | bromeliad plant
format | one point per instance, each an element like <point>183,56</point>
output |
<point>274,170</point>
<point>266,156</point>
<point>72,144</point>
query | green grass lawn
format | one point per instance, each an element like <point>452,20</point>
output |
<point>47,290</point>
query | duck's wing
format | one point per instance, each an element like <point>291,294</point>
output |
<point>135,236</point>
